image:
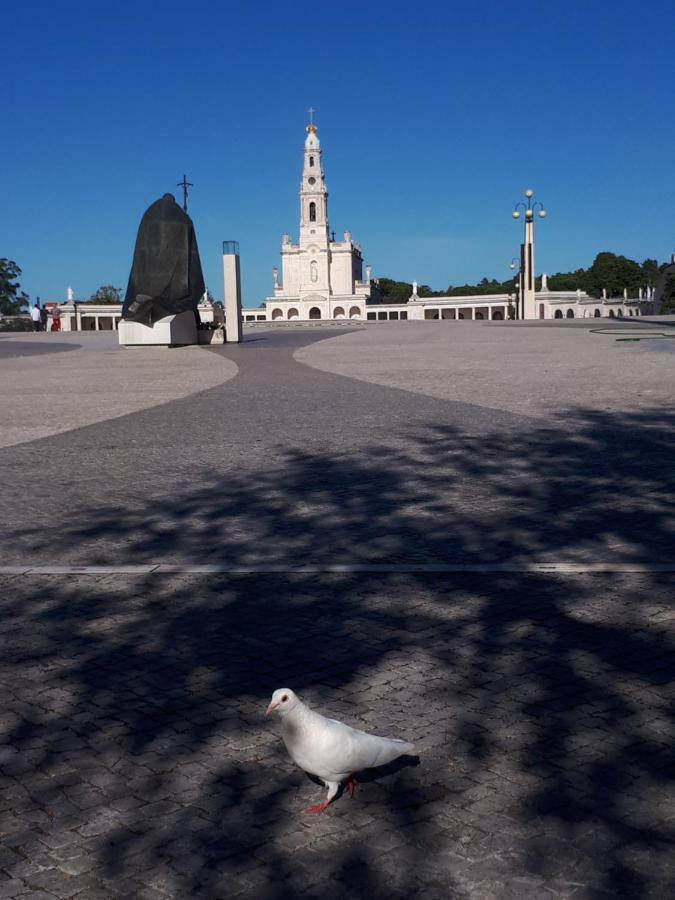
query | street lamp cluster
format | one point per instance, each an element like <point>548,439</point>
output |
<point>525,297</point>
<point>529,208</point>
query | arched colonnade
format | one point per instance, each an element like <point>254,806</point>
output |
<point>314,313</point>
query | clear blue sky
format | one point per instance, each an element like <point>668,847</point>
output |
<point>433,117</point>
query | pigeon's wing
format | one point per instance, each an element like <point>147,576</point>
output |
<point>342,750</point>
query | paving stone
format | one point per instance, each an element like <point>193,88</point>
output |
<point>12,887</point>
<point>137,760</point>
<point>8,858</point>
<point>77,865</point>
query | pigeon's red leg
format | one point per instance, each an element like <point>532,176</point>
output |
<point>333,787</point>
<point>317,809</point>
<point>350,785</point>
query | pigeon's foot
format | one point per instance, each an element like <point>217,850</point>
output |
<point>317,809</point>
<point>350,785</point>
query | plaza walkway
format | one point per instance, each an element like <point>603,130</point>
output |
<point>135,758</point>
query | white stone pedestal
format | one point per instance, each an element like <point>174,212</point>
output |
<point>212,336</point>
<point>171,331</point>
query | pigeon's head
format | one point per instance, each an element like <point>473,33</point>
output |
<point>283,701</point>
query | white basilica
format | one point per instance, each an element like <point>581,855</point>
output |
<point>321,278</point>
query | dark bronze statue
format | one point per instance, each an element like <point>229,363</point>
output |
<point>665,273</point>
<point>166,274</point>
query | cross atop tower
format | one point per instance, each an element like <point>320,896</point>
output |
<point>311,112</point>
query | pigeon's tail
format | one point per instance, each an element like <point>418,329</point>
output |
<point>391,748</point>
<point>406,748</point>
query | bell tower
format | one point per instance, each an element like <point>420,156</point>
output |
<point>314,232</point>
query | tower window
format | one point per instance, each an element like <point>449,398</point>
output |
<point>314,270</point>
<point>311,161</point>
<point>312,212</point>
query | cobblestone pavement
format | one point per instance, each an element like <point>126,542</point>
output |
<point>533,369</point>
<point>136,760</point>
<point>47,373</point>
<point>288,464</point>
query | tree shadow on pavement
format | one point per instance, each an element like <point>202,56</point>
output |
<point>601,490</point>
<point>136,757</point>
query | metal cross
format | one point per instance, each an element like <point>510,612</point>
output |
<point>185,184</point>
<point>311,112</point>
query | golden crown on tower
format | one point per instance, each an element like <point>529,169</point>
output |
<point>311,128</point>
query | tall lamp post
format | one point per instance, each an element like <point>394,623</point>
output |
<point>528,306</point>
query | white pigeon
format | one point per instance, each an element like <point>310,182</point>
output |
<point>328,749</point>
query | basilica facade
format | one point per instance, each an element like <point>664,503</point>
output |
<point>321,278</point>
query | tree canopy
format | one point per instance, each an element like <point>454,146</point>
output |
<point>394,291</point>
<point>12,301</point>
<point>400,291</point>
<point>608,271</point>
<point>106,294</point>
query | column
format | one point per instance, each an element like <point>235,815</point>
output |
<point>232,286</point>
<point>528,300</point>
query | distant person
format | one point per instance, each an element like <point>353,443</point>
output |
<point>44,314</point>
<point>56,318</point>
<point>36,317</point>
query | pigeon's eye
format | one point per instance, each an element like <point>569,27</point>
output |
<point>284,698</point>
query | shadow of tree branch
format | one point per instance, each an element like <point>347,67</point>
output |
<point>542,707</point>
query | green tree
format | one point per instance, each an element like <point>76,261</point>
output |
<point>608,271</point>
<point>484,286</point>
<point>394,291</point>
<point>650,272</point>
<point>613,273</point>
<point>568,281</point>
<point>106,294</point>
<point>12,301</point>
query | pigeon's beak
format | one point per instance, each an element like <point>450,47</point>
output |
<point>271,708</point>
